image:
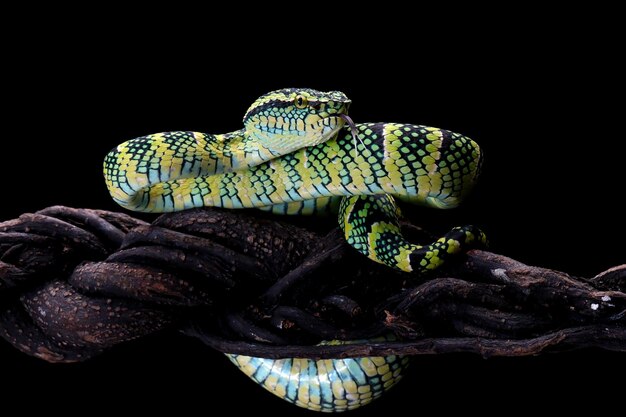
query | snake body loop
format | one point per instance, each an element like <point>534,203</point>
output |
<point>295,155</point>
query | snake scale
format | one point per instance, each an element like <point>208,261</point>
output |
<point>300,153</point>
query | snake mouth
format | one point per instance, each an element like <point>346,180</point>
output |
<point>330,132</point>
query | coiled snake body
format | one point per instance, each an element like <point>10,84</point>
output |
<point>299,153</point>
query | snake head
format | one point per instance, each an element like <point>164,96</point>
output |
<point>286,120</point>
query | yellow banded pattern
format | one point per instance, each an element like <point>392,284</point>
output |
<point>295,155</point>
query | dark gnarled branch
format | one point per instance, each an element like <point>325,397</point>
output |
<point>74,282</point>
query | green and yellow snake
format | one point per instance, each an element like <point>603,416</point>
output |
<point>300,153</point>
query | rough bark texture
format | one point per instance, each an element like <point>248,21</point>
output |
<point>74,282</point>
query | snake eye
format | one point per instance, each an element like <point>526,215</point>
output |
<point>301,102</point>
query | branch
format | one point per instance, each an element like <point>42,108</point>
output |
<point>75,282</point>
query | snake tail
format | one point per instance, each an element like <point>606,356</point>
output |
<point>371,225</point>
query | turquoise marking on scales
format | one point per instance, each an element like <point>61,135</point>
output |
<point>299,153</point>
<point>324,385</point>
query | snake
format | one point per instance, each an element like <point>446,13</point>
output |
<point>300,153</point>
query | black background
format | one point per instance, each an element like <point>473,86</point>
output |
<point>542,103</point>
